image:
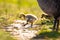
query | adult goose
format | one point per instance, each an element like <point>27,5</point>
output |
<point>52,8</point>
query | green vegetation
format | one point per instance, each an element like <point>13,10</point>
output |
<point>50,34</point>
<point>46,35</point>
<point>10,10</point>
<point>5,36</point>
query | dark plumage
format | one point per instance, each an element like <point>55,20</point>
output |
<point>46,16</point>
<point>52,8</point>
<point>29,18</point>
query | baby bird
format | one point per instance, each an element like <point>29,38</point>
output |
<point>29,18</point>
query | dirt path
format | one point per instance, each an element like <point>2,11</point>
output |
<point>21,32</point>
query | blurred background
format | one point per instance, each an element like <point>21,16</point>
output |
<point>10,10</point>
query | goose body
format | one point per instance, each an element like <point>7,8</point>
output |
<point>52,8</point>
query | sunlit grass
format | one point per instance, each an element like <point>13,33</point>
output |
<point>10,10</point>
<point>5,36</point>
<point>47,36</point>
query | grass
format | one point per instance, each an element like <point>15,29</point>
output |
<point>50,34</point>
<point>5,36</point>
<point>10,10</point>
<point>45,33</point>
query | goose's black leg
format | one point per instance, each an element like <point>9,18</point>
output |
<point>31,25</point>
<point>57,26</point>
<point>55,21</point>
<point>25,24</point>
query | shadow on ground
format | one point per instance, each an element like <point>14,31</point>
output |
<point>46,35</point>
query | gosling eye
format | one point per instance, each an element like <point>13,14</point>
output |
<point>20,17</point>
